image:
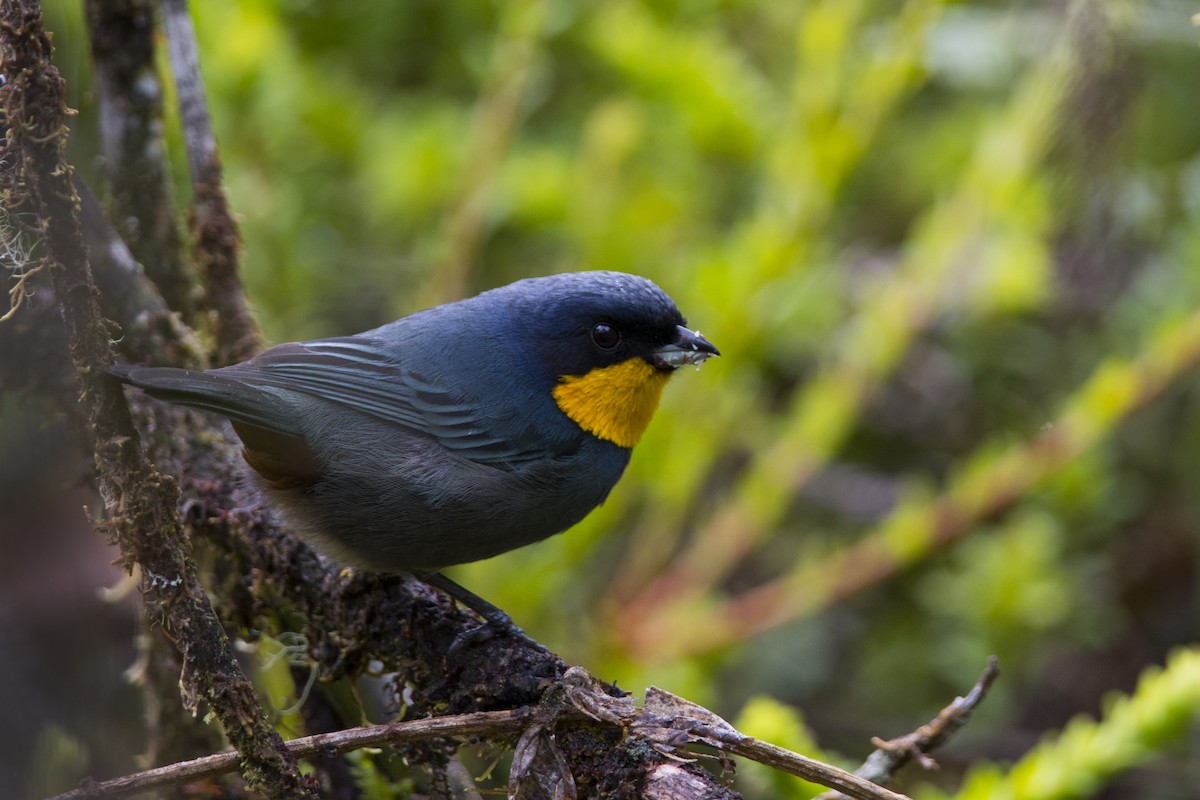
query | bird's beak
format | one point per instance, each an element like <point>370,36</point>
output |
<point>689,348</point>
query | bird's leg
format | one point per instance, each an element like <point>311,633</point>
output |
<point>495,619</point>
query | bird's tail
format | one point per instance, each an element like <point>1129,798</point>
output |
<point>208,391</point>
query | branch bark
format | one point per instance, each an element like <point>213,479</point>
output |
<point>216,233</point>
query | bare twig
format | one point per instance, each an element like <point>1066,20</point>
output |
<point>215,231</point>
<point>193,106</point>
<point>849,784</point>
<point>891,755</point>
<point>462,725</point>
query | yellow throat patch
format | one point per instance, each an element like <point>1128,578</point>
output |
<point>613,403</point>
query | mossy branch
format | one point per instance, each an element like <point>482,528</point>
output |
<point>141,504</point>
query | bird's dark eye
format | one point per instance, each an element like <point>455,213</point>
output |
<point>605,336</point>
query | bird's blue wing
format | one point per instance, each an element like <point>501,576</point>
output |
<point>354,371</point>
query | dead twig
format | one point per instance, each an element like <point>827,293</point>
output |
<point>460,725</point>
<point>893,754</point>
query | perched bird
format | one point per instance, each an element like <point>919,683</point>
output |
<point>458,432</point>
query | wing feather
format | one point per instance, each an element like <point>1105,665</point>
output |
<point>355,372</point>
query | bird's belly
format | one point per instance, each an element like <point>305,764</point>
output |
<point>444,511</point>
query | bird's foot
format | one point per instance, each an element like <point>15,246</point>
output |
<point>495,621</point>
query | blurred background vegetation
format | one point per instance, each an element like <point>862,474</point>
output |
<point>950,252</point>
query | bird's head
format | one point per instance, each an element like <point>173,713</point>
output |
<point>607,342</point>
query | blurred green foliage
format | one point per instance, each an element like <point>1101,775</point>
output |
<point>951,255</point>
